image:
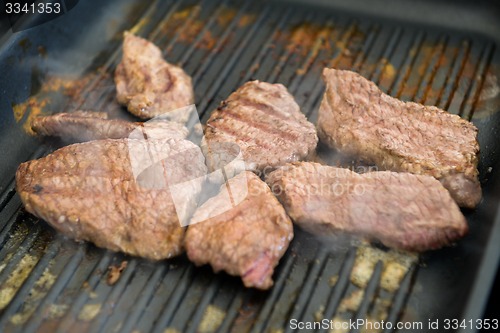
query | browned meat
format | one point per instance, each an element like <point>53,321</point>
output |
<point>81,126</point>
<point>147,84</point>
<point>89,191</point>
<point>401,210</point>
<point>266,122</point>
<point>247,240</point>
<point>357,118</point>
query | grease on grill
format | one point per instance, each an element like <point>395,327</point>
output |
<point>276,330</point>
<point>395,266</point>
<point>57,310</point>
<point>39,290</point>
<point>423,55</point>
<point>432,69</point>
<point>319,314</point>
<point>212,319</point>
<point>333,280</point>
<point>139,25</point>
<point>352,301</point>
<point>388,72</point>
<point>340,325</point>
<point>5,261</point>
<point>16,279</point>
<point>309,39</point>
<point>370,324</point>
<point>89,312</point>
<point>44,100</point>
<point>381,308</point>
<point>227,15</point>
<point>171,330</point>
<point>115,272</point>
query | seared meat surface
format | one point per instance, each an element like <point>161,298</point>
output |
<point>266,122</point>
<point>101,191</point>
<point>147,84</point>
<point>401,210</point>
<point>357,118</point>
<point>81,126</point>
<point>248,239</point>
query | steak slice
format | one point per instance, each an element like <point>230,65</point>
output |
<point>147,84</point>
<point>264,120</point>
<point>357,118</point>
<point>248,239</point>
<point>81,126</point>
<point>401,210</point>
<point>91,191</point>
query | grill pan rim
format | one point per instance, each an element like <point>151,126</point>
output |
<point>480,283</point>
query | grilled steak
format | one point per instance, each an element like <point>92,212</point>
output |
<point>248,239</point>
<point>357,118</point>
<point>91,191</point>
<point>147,84</point>
<point>81,126</point>
<point>266,122</point>
<point>401,210</point>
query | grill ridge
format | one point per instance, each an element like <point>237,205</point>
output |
<point>400,298</point>
<point>340,286</point>
<point>185,57</point>
<point>174,300</point>
<point>426,83</point>
<point>387,53</point>
<point>459,73</point>
<point>318,87</point>
<point>23,249</point>
<point>313,275</point>
<point>92,281</point>
<point>405,72</point>
<point>35,274</point>
<point>109,296</point>
<point>369,294</point>
<point>472,81</point>
<point>477,85</point>
<point>212,101</point>
<point>230,64</point>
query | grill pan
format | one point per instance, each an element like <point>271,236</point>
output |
<point>439,53</point>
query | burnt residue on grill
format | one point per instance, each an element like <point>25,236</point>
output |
<point>52,91</point>
<point>195,29</point>
<point>64,284</point>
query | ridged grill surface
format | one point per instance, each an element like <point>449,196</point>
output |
<point>49,283</point>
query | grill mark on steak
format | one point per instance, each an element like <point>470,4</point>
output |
<point>267,121</point>
<point>256,133</point>
<point>90,191</point>
<point>171,82</point>
<point>247,240</point>
<point>224,128</point>
<point>357,118</point>
<point>269,110</point>
<point>401,210</point>
<point>267,129</point>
